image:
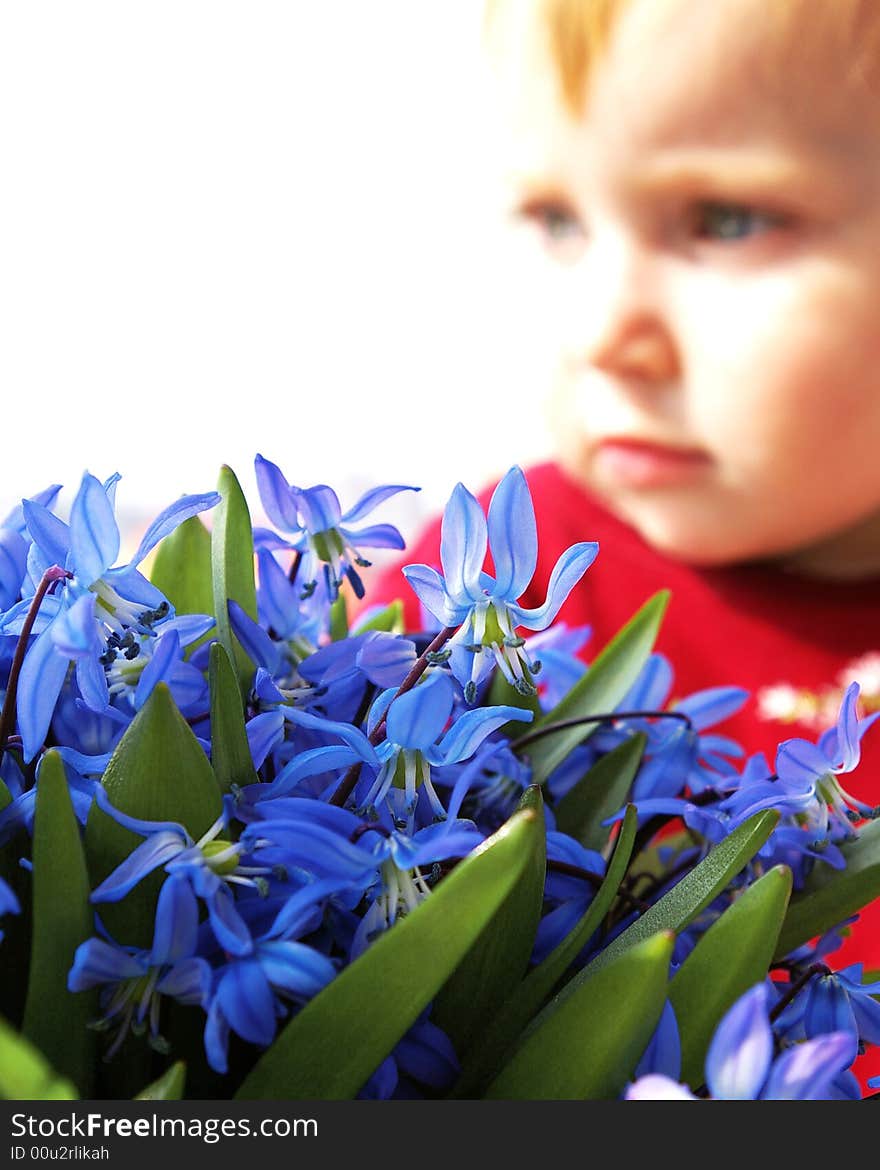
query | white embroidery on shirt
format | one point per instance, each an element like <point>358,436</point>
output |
<point>784,703</point>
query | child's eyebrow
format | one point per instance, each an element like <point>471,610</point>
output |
<point>797,174</point>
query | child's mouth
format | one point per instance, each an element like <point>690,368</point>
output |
<point>624,462</point>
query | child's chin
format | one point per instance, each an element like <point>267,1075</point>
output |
<point>698,542</point>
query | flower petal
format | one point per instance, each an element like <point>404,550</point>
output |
<point>94,533</point>
<point>295,968</point>
<point>96,962</point>
<point>741,1050</point>
<point>51,535</point>
<point>658,1088</point>
<point>374,536</point>
<point>371,499</point>
<point>428,586</point>
<point>568,570</point>
<point>277,496</point>
<point>170,518</point>
<point>471,728</point>
<point>177,922</point>
<point>513,535</point>
<point>416,718</point>
<point>800,764</point>
<point>247,1002</point>
<point>463,543</point>
<point>712,705</point>
<point>39,685</point>
<point>157,850</point>
<point>806,1071</point>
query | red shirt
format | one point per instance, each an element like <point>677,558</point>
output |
<point>795,643</point>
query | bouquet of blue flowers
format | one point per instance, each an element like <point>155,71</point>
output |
<point>259,842</point>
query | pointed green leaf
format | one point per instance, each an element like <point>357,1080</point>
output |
<point>692,894</point>
<point>732,956</point>
<point>506,1024</point>
<point>5,796</point>
<point>600,690</point>
<point>158,772</point>
<point>55,1019</point>
<point>388,620</point>
<point>230,753</point>
<point>341,1036</point>
<point>169,1087</point>
<point>232,561</point>
<point>831,895</point>
<point>25,1074</point>
<point>182,568</point>
<point>588,1046</point>
<point>495,964</point>
<point>601,793</point>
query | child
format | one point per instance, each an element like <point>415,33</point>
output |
<point>704,182</point>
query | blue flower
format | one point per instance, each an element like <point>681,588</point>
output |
<point>565,890</point>
<point>740,1064</point>
<point>252,992</point>
<point>97,612</point>
<point>836,1001</point>
<point>416,740</point>
<point>323,533</point>
<point>486,607</point>
<point>211,865</point>
<point>348,855</point>
<point>424,1058</point>
<point>133,981</point>
<point>809,772</point>
<point>14,546</point>
<point>8,902</point>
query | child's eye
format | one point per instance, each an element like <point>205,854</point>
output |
<point>557,224</point>
<point>732,221</point>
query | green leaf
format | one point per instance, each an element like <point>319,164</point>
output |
<point>505,1025</point>
<point>339,619</point>
<point>732,956</point>
<point>388,620</point>
<point>495,964</point>
<point>831,895</point>
<point>182,568</point>
<point>601,793</point>
<point>589,1045</point>
<point>230,753</point>
<point>502,694</point>
<point>232,562</point>
<point>331,1047</point>
<point>25,1074</point>
<point>5,796</point>
<point>600,690</point>
<point>693,893</point>
<point>158,772</point>
<point>169,1087</point>
<point>55,1019</point>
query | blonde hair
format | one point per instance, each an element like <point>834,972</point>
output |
<point>578,31</point>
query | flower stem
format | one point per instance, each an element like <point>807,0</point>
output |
<point>795,986</point>
<point>613,717</point>
<point>7,716</point>
<point>418,668</point>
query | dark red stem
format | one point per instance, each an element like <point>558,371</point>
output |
<point>418,668</point>
<point>7,716</point>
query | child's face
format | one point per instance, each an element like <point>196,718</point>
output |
<point>712,229</point>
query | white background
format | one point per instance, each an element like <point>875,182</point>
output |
<point>238,227</point>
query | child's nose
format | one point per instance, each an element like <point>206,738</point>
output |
<point>624,328</point>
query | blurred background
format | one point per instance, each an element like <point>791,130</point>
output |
<point>228,228</point>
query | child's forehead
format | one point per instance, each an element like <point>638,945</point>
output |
<point>724,71</point>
